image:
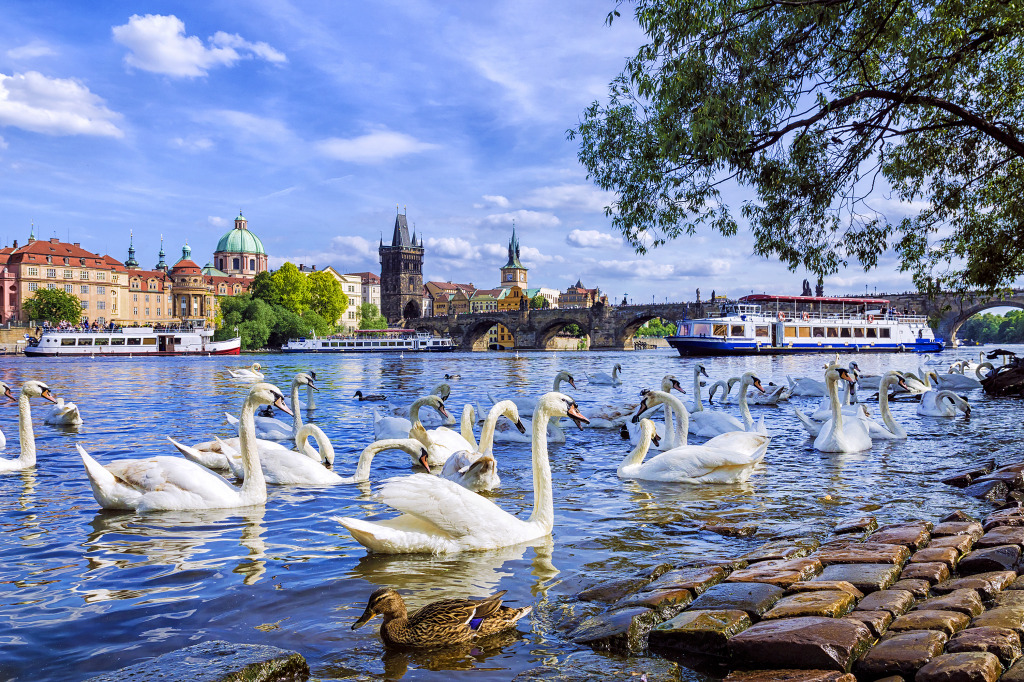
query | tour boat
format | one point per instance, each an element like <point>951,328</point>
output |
<point>371,341</point>
<point>763,323</point>
<point>131,341</point>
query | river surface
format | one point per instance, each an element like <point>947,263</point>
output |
<point>84,592</point>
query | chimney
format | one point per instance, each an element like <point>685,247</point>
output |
<point>302,267</point>
<point>54,240</point>
<point>15,243</point>
<point>77,244</point>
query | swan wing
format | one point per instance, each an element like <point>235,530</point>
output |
<point>812,427</point>
<point>752,444</point>
<point>697,463</point>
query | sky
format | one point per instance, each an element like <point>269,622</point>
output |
<point>317,119</point>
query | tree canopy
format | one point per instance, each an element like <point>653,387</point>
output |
<point>370,317</point>
<point>54,306</point>
<point>325,296</point>
<point>989,328</point>
<point>267,325</point>
<point>859,126</point>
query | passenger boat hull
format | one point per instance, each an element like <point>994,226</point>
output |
<point>689,347</point>
<point>372,341</point>
<point>130,342</point>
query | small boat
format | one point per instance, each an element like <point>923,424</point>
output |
<point>371,341</point>
<point>160,341</point>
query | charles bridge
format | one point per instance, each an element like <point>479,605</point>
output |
<point>613,327</point>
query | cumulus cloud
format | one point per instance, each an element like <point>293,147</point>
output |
<point>32,50</point>
<point>345,253</point>
<point>496,199</point>
<point>523,218</point>
<point>54,106</point>
<point>592,239</point>
<point>532,256</point>
<point>373,147</point>
<point>158,43</point>
<point>585,197</point>
<point>463,251</point>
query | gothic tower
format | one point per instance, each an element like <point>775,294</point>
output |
<point>401,274</point>
<point>513,273</point>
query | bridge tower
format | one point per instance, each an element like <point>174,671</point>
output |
<point>401,274</point>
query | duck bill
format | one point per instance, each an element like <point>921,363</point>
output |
<point>279,404</point>
<point>426,465</point>
<point>46,394</point>
<point>576,416</point>
<point>519,425</point>
<point>363,619</point>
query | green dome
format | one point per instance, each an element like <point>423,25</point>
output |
<point>240,241</point>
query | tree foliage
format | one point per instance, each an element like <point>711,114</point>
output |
<point>539,301</point>
<point>829,111</point>
<point>989,328</point>
<point>370,317</point>
<point>326,297</point>
<point>657,327</point>
<point>54,306</point>
<point>265,325</point>
<point>291,288</point>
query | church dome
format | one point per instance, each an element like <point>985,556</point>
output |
<point>240,240</point>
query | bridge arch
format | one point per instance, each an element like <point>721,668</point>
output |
<point>628,329</point>
<point>546,334</point>
<point>951,324</point>
<point>475,335</point>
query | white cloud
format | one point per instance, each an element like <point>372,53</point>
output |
<point>496,199</point>
<point>3,143</point>
<point>532,257</point>
<point>54,106</point>
<point>592,239</point>
<point>192,144</point>
<point>373,147</point>
<point>259,127</point>
<point>345,253</point>
<point>523,218</point>
<point>217,221</point>
<point>158,43</point>
<point>32,50</point>
<point>585,197</point>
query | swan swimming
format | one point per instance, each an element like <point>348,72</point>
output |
<point>26,436</point>
<point>526,405</point>
<point>399,427</point>
<point>442,517</point>
<point>889,429</point>
<point>251,373</point>
<point>616,415</point>
<point>271,428</point>
<point>63,414</point>
<point>606,379</point>
<point>476,470</point>
<point>840,434</point>
<point>942,404</point>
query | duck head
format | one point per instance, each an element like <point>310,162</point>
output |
<point>384,601</point>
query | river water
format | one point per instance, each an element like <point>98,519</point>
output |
<point>84,592</point>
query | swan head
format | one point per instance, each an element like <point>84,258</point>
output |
<point>36,389</point>
<point>669,382</point>
<point>617,366</point>
<point>649,432</point>
<point>701,369</point>
<point>255,367</point>
<point>841,373</point>
<point>422,459</point>
<point>442,390</point>
<point>6,391</point>
<point>565,376</point>
<point>509,409</point>
<point>263,393</point>
<point>648,400</point>
<point>384,601</point>
<point>304,379</point>
<point>437,402</point>
<point>561,405</point>
<point>751,379</point>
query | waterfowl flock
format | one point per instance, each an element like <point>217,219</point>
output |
<point>441,506</point>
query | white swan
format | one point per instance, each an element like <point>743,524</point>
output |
<point>399,427</point>
<point>958,381</point>
<point>723,385</point>
<point>695,404</point>
<point>174,483</point>
<point>746,380</point>
<point>668,430</point>
<point>840,434</point>
<point>251,373</point>
<point>606,379</point>
<point>942,404</point>
<point>806,386</point>
<point>26,436</point>
<point>619,415</point>
<point>271,428</point>
<point>526,405</point>
<point>441,517</point>
<point>727,458</point>
<point>709,422</point>
<point>824,411</point>
<point>889,429</point>
<point>63,414</point>
<point>443,391</point>
<point>476,469</point>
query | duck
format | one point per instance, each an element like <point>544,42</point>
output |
<point>271,428</point>
<point>250,373</point>
<point>375,397</point>
<point>442,517</point>
<point>449,377</point>
<point>613,416</point>
<point>399,427</point>
<point>476,469</point>
<point>942,404</point>
<point>63,414</point>
<point>605,379</point>
<point>526,405</point>
<point>840,434</point>
<point>174,483</point>
<point>26,435</point>
<point>727,458</point>
<point>889,429</point>
<point>441,623</point>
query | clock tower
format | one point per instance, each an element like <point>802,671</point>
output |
<point>513,273</point>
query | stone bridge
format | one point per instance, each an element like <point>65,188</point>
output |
<point>608,327</point>
<point>948,311</point>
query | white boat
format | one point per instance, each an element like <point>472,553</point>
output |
<point>805,324</point>
<point>132,341</point>
<point>371,341</point>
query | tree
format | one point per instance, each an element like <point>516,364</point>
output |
<point>826,109</point>
<point>263,287</point>
<point>54,306</point>
<point>291,288</point>
<point>326,297</point>
<point>370,317</point>
<point>538,301</point>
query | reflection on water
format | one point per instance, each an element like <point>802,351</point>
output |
<point>111,589</point>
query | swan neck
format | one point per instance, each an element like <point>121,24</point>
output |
<point>310,397</point>
<point>748,419</point>
<point>296,412</point>
<point>26,434</point>
<point>543,504</point>
<point>697,406</point>
<point>676,410</point>
<point>487,432</point>
<point>637,455</point>
<point>414,409</point>
<point>468,417</point>
<point>883,406</point>
<point>837,410</point>
<point>254,487</point>
<point>367,455</point>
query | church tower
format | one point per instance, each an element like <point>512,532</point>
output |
<point>401,274</point>
<point>513,273</point>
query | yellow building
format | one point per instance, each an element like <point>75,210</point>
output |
<point>513,299</point>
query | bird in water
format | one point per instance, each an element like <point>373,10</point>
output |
<point>452,376</point>
<point>371,396</point>
<point>441,623</point>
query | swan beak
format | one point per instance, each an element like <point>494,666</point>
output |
<point>656,439</point>
<point>574,413</point>
<point>279,404</point>
<point>757,385</point>
<point>425,465</point>
<point>572,382</point>
<point>7,393</point>
<point>46,394</point>
<point>641,408</point>
<point>312,386</point>
<point>704,372</point>
<point>676,385</point>
<point>444,412</point>
<point>903,384</point>
<point>363,619</point>
<point>519,425</point>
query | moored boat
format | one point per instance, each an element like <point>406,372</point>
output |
<point>371,341</point>
<point>768,324</point>
<point>157,341</point>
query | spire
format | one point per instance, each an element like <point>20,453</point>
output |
<point>162,265</point>
<point>513,250</point>
<point>32,233</point>
<point>401,234</point>
<point>131,262</point>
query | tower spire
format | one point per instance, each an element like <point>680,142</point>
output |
<point>131,262</point>
<point>162,265</point>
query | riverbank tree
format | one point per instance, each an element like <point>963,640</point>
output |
<point>657,327</point>
<point>54,306</point>
<point>266,325</point>
<point>989,328</point>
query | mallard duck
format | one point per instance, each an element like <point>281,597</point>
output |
<point>371,396</point>
<point>452,376</point>
<point>441,623</point>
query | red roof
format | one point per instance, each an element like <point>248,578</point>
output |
<point>769,298</point>
<point>186,266</point>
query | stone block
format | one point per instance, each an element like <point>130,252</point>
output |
<point>988,490</point>
<point>215,661</point>
<point>1017,584</point>
<point>613,590</point>
<point>789,676</point>
<point>933,572</point>
<point>810,643</point>
<point>666,602</point>
<point>896,602</point>
<point>914,535</point>
<point>876,621</point>
<point>865,577</point>
<point>828,603</point>
<point>961,543</point>
<point>960,514</point>
<point>1012,479</point>
<point>862,553</point>
<point>815,585</point>
<point>999,558</point>
<point>903,654</point>
<point>1002,535</point>
<point>967,602</point>
<point>782,573</point>
<point>1002,642</point>
<point>1004,517</point>
<point>697,580</point>
<point>704,633</point>
<point>1015,673</point>
<point>987,584</point>
<point>918,588</point>
<point>753,598</point>
<point>968,666</point>
<point>622,631</point>
<point>948,622</point>
<point>855,524</point>
<point>963,478</point>
<point>1009,617</point>
<point>782,549</point>
<point>946,555</point>
<point>1009,598</point>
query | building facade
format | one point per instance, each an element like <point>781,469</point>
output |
<point>370,285</point>
<point>513,273</point>
<point>578,296</point>
<point>401,274</point>
<point>240,253</point>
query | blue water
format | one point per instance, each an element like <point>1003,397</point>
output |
<point>84,591</point>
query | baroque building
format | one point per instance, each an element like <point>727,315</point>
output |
<point>240,253</point>
<point>401,274</point>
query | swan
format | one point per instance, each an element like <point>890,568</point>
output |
<point>805,386</point>
<point>746,380</point>
<point>725,385</point>
<point>443,391</point>
<point>606,379</point>
<point>174,483</point>
<point>63,414</point>
<point>889,429</point>
<point>271,428</point>
<point>251,373</point>
<point>441,517</point>
<point>669,436</point>
<point>476,469</point>
<point>613,416</point>
<point>840,434</point>
<point>26,436</point>
<point>959,381</point>
<point>526,405</point>
<point>399,427</point>
<point>859,410</point>
<point>727,458</point>
<point>708,422</point>
<point>942,404</point>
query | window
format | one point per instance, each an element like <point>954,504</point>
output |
<point>84,289</point>
<point>69,274</point>
<point>819,332</point>
<point>134,340</point>
<point>833,332</point>
<point>135,298</point>
<point>252,263</point>
<point>135,311</point>
<point>737,330</point>
<point>147,312</point>
<point>69,288</point>
<point>101,290</point>
<point>805,332</point>
<point>234,263</point>
<point>102,341</point>
<point>85,342</point>
<point>858,332</point>
<point>117,341</point>
<point>844,332</point>
<point>67,261</point>
<point>33,272</point>
<point>84,274</point>
<point>51,272</point>
<point>147,298</point>
<point>51,285</point>
<point>761,330</point>
<point>101,276</point>
<point>158,312</point>
<point>101,305</point>
<point>789,332</point>
<point>33,286</point>
<point>85,305</point>
<point>884,333</point>
<point>872,333</point>
<point>114,278</point>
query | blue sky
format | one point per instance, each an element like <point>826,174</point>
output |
<point>317,118</point>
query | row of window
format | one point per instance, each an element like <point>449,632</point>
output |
<point>107,341</point>
<point>803,332</point>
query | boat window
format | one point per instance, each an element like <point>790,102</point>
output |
<point>884,332</point>
<point>102,341</point>
<point>134,341</point>
<point>177,339</point>
<point>684,330</point>
<point>790,331</point>
<point>149,342</point>
<point>701,329</point>
<point>67,342</point>
<point>117,341</point>
<point>761,330</point>
<point>737,330</point>
<point>85,342</point>
<point>720,329</point>
<point>872,333</point>
<point>845,332</point>
<point>833,332</point>
<point>805,332</point>
<point>858,332</point>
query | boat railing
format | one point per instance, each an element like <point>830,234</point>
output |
<point>822,317</point>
